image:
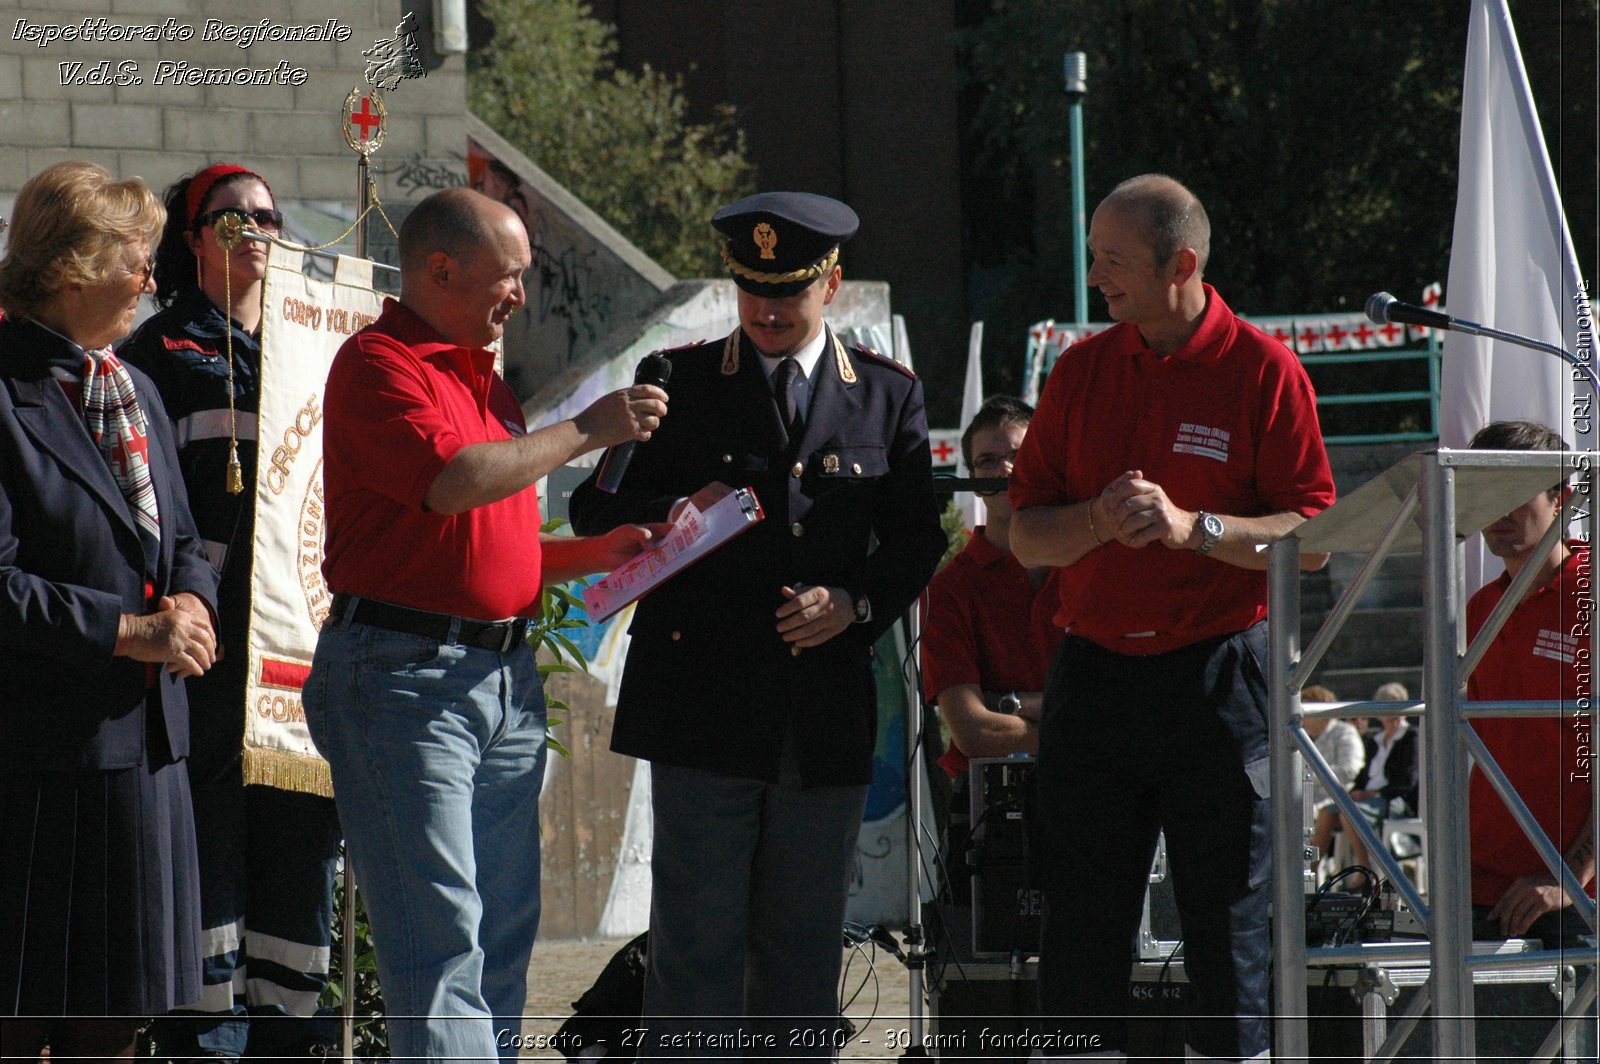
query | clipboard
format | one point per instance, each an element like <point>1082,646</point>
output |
<point>694,534</point>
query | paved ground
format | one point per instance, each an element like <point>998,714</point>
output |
<point>561,971</point>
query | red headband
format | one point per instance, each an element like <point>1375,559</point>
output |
<point>201,184</point>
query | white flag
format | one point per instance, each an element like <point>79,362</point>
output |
<point>1512,264</point>
<point>972,513</point>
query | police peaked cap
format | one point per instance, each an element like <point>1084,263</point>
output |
<point>779,243</point>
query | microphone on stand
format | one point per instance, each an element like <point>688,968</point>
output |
<point>949,484</point>
<point>1383,308</point>
<point>653,369</point>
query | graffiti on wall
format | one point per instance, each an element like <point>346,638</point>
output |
<point>569,302</point>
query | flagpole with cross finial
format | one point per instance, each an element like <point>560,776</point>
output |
<point>365,123</point>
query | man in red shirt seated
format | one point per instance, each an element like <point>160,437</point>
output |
<point>423,694</point>
<point>991,632</point>
<point>986,647</point>
<point>1536,656</point>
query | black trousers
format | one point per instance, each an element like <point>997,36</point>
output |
<point>1130,747</point>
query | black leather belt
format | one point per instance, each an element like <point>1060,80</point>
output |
<point>498,635</point>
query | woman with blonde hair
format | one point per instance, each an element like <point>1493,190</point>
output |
<point>106,605</point>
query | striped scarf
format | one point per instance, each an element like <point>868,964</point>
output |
<point>121,432</point>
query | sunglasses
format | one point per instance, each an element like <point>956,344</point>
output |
<point>264,218</point>
<point>144,272</point>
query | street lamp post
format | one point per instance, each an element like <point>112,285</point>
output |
<point>1076,73</point>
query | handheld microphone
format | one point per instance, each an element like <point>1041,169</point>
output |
<point>1383,308</point>
<point>653,369</point>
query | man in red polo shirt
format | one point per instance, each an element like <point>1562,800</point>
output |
<point>991,628</point>
<point>423,695</point>
<point>1165,450</point>
<point>1535,656</point>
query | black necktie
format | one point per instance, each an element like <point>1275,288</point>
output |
<point>788,405</point>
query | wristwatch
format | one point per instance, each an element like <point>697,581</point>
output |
<point>1211,529</point>
<point>1010,703</point>
<point>862,606</point>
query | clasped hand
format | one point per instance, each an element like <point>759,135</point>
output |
<point>177,634</point>
<point>814,614</point>
<point>1136,513</point>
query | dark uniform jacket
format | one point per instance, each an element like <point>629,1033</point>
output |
<point>184,351</point>
<point>709,683</point>
<point>71,563</point>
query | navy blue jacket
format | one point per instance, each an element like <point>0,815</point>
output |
<point>183,349</point>
<point>71,564</point>
<point>709,683</point>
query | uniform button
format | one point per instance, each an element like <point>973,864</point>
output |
<point>727,458</point>
<point>798,529</point>
<point>856,468</point>
<point>796,469</point>
<point>676,636</point>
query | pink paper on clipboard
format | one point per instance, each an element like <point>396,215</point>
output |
<point>694,534</point>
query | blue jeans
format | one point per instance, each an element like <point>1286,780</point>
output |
<point>437,751</point>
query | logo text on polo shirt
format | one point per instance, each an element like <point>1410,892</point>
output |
<point>1558,646</point>
<point>1203,440</point>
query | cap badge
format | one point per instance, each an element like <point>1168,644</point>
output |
<point>830,463</point>
<point>766,239</point>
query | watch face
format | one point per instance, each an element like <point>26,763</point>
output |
<point>1213,526</point>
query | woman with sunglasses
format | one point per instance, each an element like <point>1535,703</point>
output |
<point>266,855</point>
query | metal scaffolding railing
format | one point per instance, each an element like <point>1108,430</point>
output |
<point>1431,501</point>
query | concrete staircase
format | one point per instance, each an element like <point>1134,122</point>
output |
<point>1382,640</point>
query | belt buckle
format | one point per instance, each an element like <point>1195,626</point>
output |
<point>500,637</point>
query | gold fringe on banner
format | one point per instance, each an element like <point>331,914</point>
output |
<point>287,772</point>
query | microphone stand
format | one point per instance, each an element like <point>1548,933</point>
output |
<point>1383,309</point>
<point>1472,328</point>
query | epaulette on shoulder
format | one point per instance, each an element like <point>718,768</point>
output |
<point>684,354</point>
<point>670,351</point>
<point>883,360</point>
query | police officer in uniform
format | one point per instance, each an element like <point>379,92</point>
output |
<point>749,683</point>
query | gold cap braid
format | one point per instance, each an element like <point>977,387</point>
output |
<point>808,273</point>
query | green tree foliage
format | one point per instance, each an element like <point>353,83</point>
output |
<point>1321,137</point>
<point>620,140</point>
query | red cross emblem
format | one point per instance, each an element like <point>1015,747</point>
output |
<point>1335,335</point>
<point>364,117</point>
<point>942,452</point>
<point>1282,335</point>
<point>1364,335</point>
<point>366,121</point>
<point>1392,334</point>
<point>1308,338</point>
<point>132,451</point>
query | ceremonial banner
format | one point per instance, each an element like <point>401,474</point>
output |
<point>304,322</point>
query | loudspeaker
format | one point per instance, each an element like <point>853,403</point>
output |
<point>1006,905</point>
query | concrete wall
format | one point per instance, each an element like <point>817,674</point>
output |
<point>159,128</point>
<point>589,284</point>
